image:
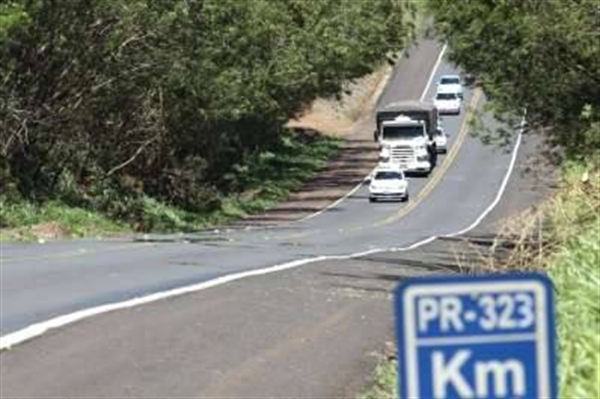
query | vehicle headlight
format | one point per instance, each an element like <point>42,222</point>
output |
<point>384,159</point>
<point>423,157</point>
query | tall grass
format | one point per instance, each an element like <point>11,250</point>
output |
<point>575,270</point>
<point>562,237</point>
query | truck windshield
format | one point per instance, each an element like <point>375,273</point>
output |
<point>402,132</point>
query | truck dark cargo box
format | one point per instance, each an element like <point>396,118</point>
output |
<point>413,109</point>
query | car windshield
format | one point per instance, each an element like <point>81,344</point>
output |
<point>402,132</point>
<point>388,175</point>
<point>445,96</point>
<point>450,81</point>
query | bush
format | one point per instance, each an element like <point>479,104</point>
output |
<point>540,56</point>
<point>107,104</point>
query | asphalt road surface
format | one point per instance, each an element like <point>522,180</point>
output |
<point>302,332</point>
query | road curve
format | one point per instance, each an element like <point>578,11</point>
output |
<point>40,282</point>
<point>299,333</point>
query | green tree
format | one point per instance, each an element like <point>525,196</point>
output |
<point>104,100</point>
<point>539,55</point>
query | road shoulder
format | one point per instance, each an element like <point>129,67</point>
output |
<point>320,328</point>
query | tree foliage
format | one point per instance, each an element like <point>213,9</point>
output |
<point>162,98</point>
<point>538,55</point>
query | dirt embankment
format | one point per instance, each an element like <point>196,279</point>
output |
<point>346,117</point>
<point>339,116</point>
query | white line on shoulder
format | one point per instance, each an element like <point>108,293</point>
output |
<point>342,199</point>
<point>435,67</point>
<point>334,204</point>
<point>40,328</point>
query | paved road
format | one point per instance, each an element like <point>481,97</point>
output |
<point>43,281</point>
<point>122,354</point>
<point>309,332</point>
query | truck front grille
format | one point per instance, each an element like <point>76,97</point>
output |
<point>402,154</point>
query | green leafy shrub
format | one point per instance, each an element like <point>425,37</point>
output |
<point>112,105</point>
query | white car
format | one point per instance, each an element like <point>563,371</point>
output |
<point>388,182</point>
<point>447,102</point>
<point>441,138</point>
<point>450,83</point>
<point>441,141</point>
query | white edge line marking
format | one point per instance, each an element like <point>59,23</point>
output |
<point>503,185</point>
<point>355,189</point>
<point>435,67</point>
<point>336,203</point>
<point>38,329</point>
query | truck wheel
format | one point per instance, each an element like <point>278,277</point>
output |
<point>371,199</point>
<point>432,152</point>
<point>405,199</point>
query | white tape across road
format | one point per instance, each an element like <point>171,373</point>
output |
<point>40,328</point>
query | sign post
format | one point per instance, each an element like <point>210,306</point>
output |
<point>489,336</point>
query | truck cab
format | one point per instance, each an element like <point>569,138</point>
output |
<point>406,134</point>
<point>404,141</point>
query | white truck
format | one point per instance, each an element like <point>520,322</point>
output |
<point>406,133</point>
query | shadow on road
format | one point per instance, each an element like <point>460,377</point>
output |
<point>381,273</point>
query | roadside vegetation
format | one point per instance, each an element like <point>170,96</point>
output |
<point>541,57</point>
<point>384,383</point>
<point>156,114</point>
<point>568,224</point>
<point>266,179</point>
<point>574,266</point>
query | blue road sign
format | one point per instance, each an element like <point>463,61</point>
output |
<point>486,336</point>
